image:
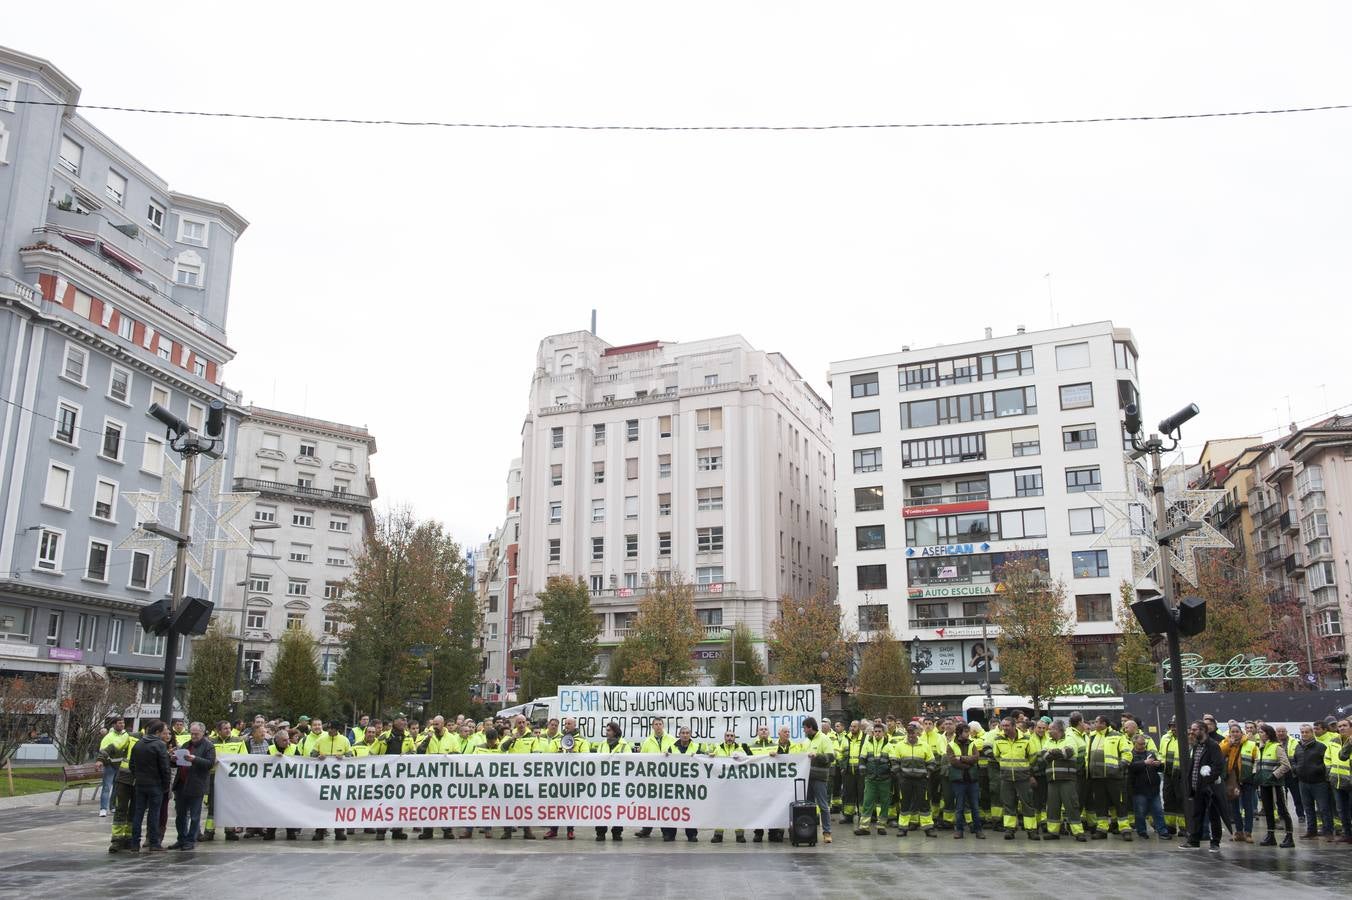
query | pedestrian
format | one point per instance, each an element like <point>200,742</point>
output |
<point>731,748</point>
<point>914,763</point>
<point>1059,766</point>
<point>1204,781</point>
<point>1340,778</point>
<point>1106,764</point>
<point>820,756</point>
<point>1143,772</point>
<point>875,770</point>
<point>191,779</point>
<point>613,742</point>
<point>1312,773</point>
<point>1173,799</point>
<point>1014,755</point>
<point>963,756</point>
<point>851,779</point>
<point>1241,759</point>
<point>113,748</point>
<point>1273,765</point>
<point>685,746</point>
<point>1290,783</point>
<point>151,779</point>
<point>657,741</point>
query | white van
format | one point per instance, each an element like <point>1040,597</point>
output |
<point>536,711</point>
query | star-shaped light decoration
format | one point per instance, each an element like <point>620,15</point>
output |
<point>212,521</point>
<point>1193,506</point>
<point>1129,521</point>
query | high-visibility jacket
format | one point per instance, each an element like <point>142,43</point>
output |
<point>524,743</point>
<point>1034,741</point>
<point>1271,758</point>
<point>1149,744</point>
<point>228,746</point>
<point>653,744</point>
<point>476,739</point>
<point>1015,758</point>
<point>115,747</point>
<point>431,743</point>
<point>849,750</point>
<point>1104,754</point>
<point>1169,752</point>
<point>690,749</point>
<point>875,757</point>
<point>935,740</point>
<point>330,745</point>
<point>1247,762</point>
<point>819,745</point>
<point>762,746</point>
<point>548,743</point>
<point>555,744</point>
<point>604,746</point>
<point>1340,767</point>
<point>726,749</point>
<point>382,745</point>
<point>914,760</point>
<point>182,737</point>
<point>1060,760</point>
<point>484,748</point>
<point>290,750</point>
<point>308,741</point>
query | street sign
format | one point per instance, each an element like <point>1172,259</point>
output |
<point>1311,678</point>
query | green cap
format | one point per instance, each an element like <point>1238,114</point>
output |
<point>303,719</point>
<point>1046,720</point>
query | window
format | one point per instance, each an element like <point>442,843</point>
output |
<point>71,154</point>
<point>710,379</point>
<point>1123,356</point>
<point>930,612</point>
<point>260,584</point>
<point>119,384</point>
<point>159,395</point>
<point>333,590</point>
<point>966,369</point>
<point>297,587</point>
<point>308,449</point>
<point>938,451</point>
<point>872,616</point>
<point>300,553</point>
<point>192,232</point>
<point>199,368</point>
<point>73,367</point>
<point>7,92</point>
<point>556,438</point>
<point>969,407</point>
<point>598,435</point>
<point>304,480</point>
<point>631,546</point>
<point>265,513</point>
<point>49,550</point>
<point>1072,356</point>
<point>295,621</point>
<point>112,440</point>
<point>708,575</point>
<point>197,417</point>
<point>116,188</point>
<point>1086,520</point>
<point>864,385</point>
<point>115,636</point>
<point>598,549</point>
<point>710,419</point>
<point>709,540</point>
<point>631,468</point>
<point>330,625</point>
<point>303,518</point>
<point>340,523</point>
<point>664,426</point>
<point>1077,396</point>
<point>105,499</point>
<point>1089,563</point>
<point>976,609</point>
<point>140,570</point>
<point>126,326</point>
<point>144,644</point>
<point>663,505</point>
<point>710,459</point>
<point>556,475</point>
<point>868,499</point>
<point>555,549</point>
<point>631,507</point>
<point>664,543</point>
<point>253,665</point>
<point>265,549</point>
<point>1026,448</point>
<point>256,620</point>
<point>709,499</point>
<point>598,510</point>
<point>57,491</point>
<point>871,578</point>
<point>1023,523</point>
<point>96,565</point>
<point>870,537</point>
<point>1079,437</point>
<point>664,465</point>
<point>492,603</point>
<point>1028,483</point>
<point>155,216</point>
<point>164,348</point>
<point>1084,479</point>
<point>188,274</point>
<point>631,430</point>
<point>599,472</point>
<point>1093,607</point>
<point>869,459</point>
<point>341,485</point>
<point>337,556</point>
<point>54,629</point>
<point>555,512</point>
<point>868,421</point>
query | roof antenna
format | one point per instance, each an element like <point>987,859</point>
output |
<point>593,330</point>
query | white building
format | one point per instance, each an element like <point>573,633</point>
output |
<point>312,514</point>
<point>950,458</point>
<point>708,458</point>
<point>495,589</point>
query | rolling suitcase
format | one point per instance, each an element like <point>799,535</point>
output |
<point>803,820</point>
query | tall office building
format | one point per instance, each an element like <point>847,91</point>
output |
<point>951,459</point>
<point>708,458</point>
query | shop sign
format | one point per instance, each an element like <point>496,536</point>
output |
<point>945,509</point>
<point>1236,668</point>
<point>951,590</point>
<point>948,550</point>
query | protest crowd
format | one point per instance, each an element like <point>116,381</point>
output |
<point>1080,779</point>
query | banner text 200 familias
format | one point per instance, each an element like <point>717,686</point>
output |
<point>488,790</point>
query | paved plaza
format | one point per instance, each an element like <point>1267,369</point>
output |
<point>45,849</point>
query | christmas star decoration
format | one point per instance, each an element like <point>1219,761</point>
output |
<point>1126,519</point>
<point>1193,506</point>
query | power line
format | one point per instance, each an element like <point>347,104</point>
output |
<point>99,432</point>
<point>566,126</point>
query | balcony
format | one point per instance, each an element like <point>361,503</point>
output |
<point>1289,523</point>
<point>706,591</point>
<point>1269,514</point>
<point>924,624</point>
<point>307,494</point>
<point>1293,565</point>
<point>946,499</point>
<point>1226,513</point>
<point>1273,556</point>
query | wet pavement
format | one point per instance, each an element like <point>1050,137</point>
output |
<point>44,848</point>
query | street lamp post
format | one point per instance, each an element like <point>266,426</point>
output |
<point>244,600</point>
<point>917,666</point>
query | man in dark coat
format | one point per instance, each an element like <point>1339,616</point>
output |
<point>191,783</point>
<point>1204,782</point>
<point>151,779</point>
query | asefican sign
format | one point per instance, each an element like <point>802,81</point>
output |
<point>1237,668</point>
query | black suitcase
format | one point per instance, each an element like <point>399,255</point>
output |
<point>803,820</point>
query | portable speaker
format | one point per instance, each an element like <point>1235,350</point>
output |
<point>193,616</point>
<point>155,617</point>
<point>1153,614</point>
<point>802,819</point>
<point>1191,616</point>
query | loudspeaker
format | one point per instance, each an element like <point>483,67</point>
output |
<point>155,617</point>
<point>803,823</point>
<point>1191,616</point>
<point>1153,615</point>
<point>193,616</point>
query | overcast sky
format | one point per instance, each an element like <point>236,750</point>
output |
<point>401,278</point>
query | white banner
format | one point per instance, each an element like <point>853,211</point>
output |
<point>488,790</point>
<point>709,712</point>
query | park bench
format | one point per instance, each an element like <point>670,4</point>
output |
<point>79,777</point>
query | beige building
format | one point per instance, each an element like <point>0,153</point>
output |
<point>710,458</point>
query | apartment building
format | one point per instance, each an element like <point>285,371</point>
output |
<point>709,458</point>
<point>950,460</point>
<point>495,587</point>
<point>114,291</point>
<point>309,522</point>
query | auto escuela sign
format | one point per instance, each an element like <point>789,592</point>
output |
<point>488,790</point>
<point>709,712</point>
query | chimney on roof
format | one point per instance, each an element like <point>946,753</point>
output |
<point>1019,329</point>
<point>905,348</point>
<point>988,332</point>
<point>593,328</point>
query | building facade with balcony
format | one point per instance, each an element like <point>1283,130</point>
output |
<point>495,588</point>
<point>1227,465</point>
<point>708,458</point>
<point>114,292</point>
<point>308,526</point>
<point>952,460</point>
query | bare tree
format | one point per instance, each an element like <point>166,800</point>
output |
<point>88,700</point>
<point>27,705</point>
